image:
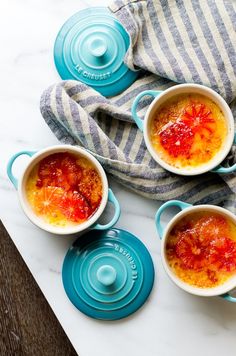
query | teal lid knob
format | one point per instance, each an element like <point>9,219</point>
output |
<point>98,47</point>
<point>108,275</point>
<point>91,47</point>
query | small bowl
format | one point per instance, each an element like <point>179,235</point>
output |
<point>186,209</point>
<point>161,97</point>
<point>36,157</point>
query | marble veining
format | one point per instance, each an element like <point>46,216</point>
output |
<point>172,322</point>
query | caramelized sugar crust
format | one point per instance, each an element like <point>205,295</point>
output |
<point>188,130</point>
<point>201,249</point>
<point>64,189</point>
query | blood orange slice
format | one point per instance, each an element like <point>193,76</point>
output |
<point>206,245</point>
<point>199,118</point>
<point>223,251</point>
<point>75,206</point>
<point>190,251</point>
<point>212,226</point>
<point>46,200</point>
<point>177,138</point>
<point>60,170</point>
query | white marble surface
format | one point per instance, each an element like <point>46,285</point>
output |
<point>172,323</point>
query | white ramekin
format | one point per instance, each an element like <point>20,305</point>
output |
<point>36,157</point>
<point>161,97</point>
<point>186,209</point>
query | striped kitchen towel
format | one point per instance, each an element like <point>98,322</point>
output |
<point>173,41</point>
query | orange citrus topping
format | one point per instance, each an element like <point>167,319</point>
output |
<point>188,130</point>
<point>46,199</point>
<point>64,188</point>
<point>202,249</point>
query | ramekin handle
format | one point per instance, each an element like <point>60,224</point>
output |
<point>136,118</point>
<point>12,178</point>
<point>223,170</point>
<point>228,297</point>
<point>114,201</point>
<point>178,203</point>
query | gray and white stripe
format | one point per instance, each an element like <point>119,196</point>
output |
<point>175,41</point>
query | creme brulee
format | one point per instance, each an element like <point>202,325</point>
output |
<point>188,130</point>
<point>64,189</point>
<point>201,249</point>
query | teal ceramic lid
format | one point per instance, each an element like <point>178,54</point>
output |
<point>108,274</point>
<point>90,47</point>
